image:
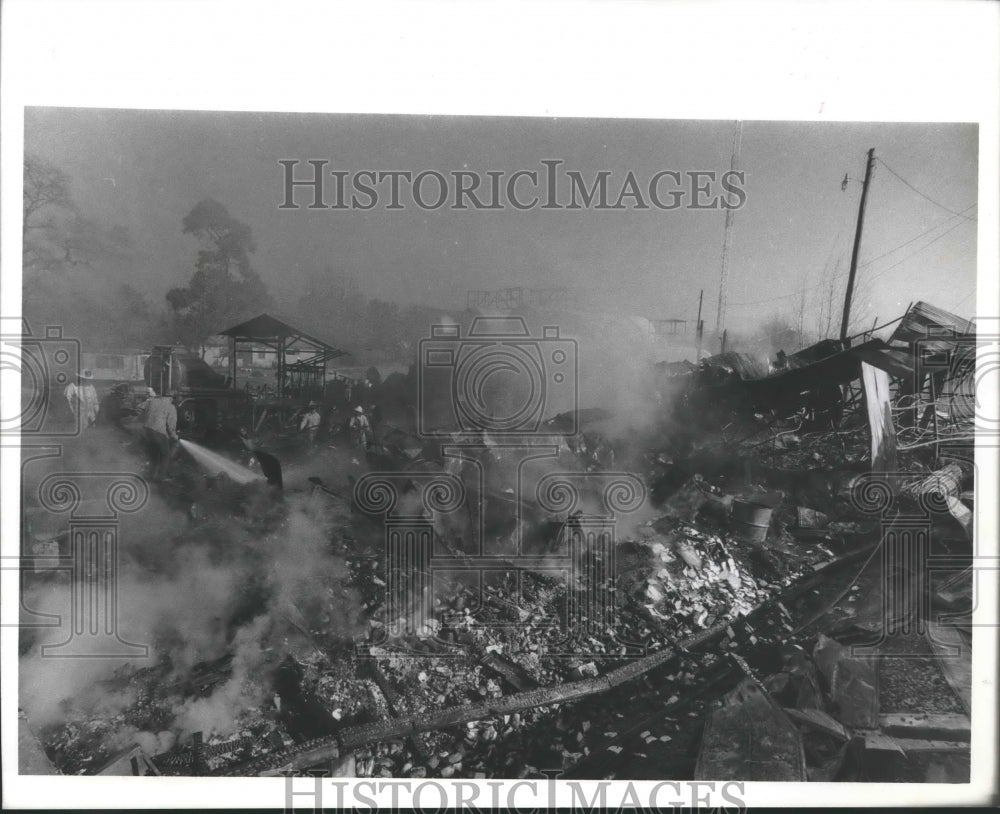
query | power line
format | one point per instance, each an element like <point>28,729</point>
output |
<point>826,265</point>
<point>917,237</point>
<point>912,254</point>
<point>921,194</point>
<point>961,301</point>
<point>874,276</point>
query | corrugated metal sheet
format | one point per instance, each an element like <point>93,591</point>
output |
<point>925,321</point>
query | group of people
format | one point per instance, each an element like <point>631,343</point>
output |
<point>158,417</point>
<point>157,414</point>
<point>361,425</point>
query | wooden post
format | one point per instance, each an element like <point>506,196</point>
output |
<point>857,248</point>
<point>232,361</point>
<point>698,326</point>
<point>281,369</point>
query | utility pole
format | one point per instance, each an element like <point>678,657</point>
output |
<point>857,248</point>
<point>720,314</point>
<point>698,327</point>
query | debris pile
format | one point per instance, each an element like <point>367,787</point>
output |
<point>727,644</point>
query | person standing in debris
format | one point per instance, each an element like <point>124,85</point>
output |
<point>361,428</point>
<point>310,423</point>
<point>159,419</point>
<point>780,362</point>
<point>82,399</point>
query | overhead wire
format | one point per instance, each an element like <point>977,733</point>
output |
<point>913,254</point>
<point>915,237</point>
<point>922,194</point>
<point>875,259</point>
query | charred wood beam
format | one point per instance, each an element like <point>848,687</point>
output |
<point>392,702</point>
<point>198,766</point>
<point>514,674</point>
<point>186,757</point>
<point>927,726</point>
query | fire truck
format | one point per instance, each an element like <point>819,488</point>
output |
<point>207,402</point>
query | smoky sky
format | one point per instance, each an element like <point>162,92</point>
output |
<point>145,170</point>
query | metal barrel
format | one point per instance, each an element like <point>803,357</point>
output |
<point>751,520</point>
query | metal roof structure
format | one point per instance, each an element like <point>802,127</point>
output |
<point>268,330</point>
<point>281,338</point>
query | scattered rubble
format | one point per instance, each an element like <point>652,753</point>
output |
<point>737,607</point>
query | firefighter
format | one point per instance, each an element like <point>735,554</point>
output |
<point>310,423</point>
<point>82,399</point>
<point>159,420</point>
<point>361,428</point>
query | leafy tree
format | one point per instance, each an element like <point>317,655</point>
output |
<point>224,287</point>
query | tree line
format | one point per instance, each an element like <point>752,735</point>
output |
<point>70,259</point>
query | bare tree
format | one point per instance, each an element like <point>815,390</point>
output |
<point>46,192</point>
<point>828,303</point>
<point>45,186</point>
<point>801,317</point>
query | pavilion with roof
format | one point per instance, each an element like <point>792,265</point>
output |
<point>302,379</point>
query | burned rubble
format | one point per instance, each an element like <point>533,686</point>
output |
<point>746,631</point>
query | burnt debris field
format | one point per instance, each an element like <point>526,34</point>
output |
<point>768,577</point>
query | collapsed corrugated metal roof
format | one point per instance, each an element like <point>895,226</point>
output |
<point>924,321</point>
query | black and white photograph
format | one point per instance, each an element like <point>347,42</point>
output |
<point>516,455</point>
